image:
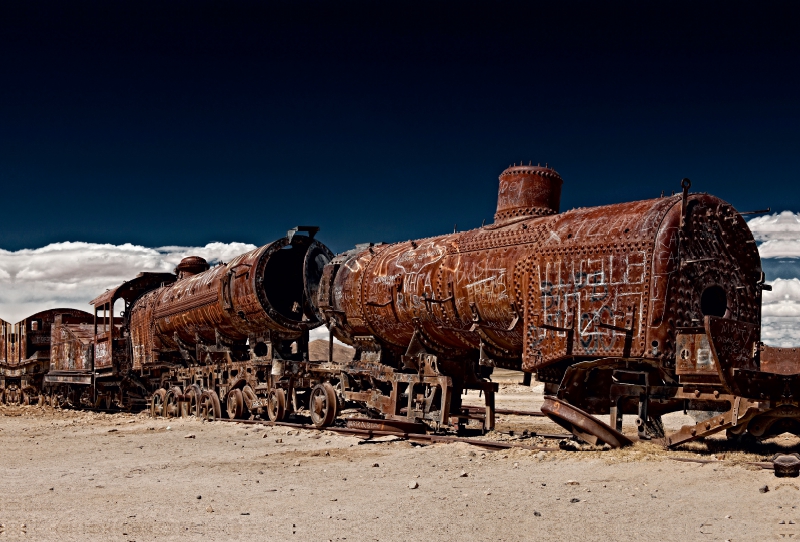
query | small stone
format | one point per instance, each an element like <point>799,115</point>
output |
<point>209,509</point>
<point>334,500</point>
<point>413,485</point>
<point>463,474</point>
<point>296,463</point>
<point>516,465</point>
<point>190,435</point>
<point>763,489</point>
<point>51,489</point>
<point>537,513</point>
<point>199,497</point>
<point>278,440</point>
<point>488,492</point>
<point>574,499</point>
<point>113,430</point>
<point>572,483</point>
<point>265,435</point>
<point>169,428</point>
<point>375,465</point>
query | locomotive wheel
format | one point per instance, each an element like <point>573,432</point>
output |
<point>157,403</point>
<point>171,405</point>
<point>235,404</point>
<point>249,396</point>
<point>209,407</point>
<point>192,395</point>
<point>276,405</point>
<point>322,405</point>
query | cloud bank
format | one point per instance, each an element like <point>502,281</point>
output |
<point>778,234</point>
<point>69,275</point>
<point>778,237</point>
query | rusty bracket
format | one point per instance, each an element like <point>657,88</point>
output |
<point>310,230</point>
<point>715,424</point>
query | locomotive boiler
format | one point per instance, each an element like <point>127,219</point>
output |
<point>642,308</point>
<point>182,341</point>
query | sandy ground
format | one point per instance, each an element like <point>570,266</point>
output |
<point>84,476</point>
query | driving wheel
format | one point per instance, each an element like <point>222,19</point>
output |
<point>209,407</point>
<point>171,403</point>
<point>276,405</point>
<point>235,404</point>
<point>322,405</point>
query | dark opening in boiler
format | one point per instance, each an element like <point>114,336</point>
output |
<point>713,301</point>
<point>261,349</point>
<point>283,281</point>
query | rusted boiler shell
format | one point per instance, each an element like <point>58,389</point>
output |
<point>263,291</point>
<point>531,290</point>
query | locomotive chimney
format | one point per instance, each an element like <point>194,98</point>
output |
<point>527,191</point>
<point>191,265</point>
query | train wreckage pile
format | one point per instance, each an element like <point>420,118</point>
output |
<point>640,308</point>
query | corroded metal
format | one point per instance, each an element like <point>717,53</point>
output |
<point>642,308</point>
<point>259,296</point>
<point>583,425</point>
<point>185,342</point>
<point>639,304</point>
<point>786,465</point>
<point>25,348</point>
<point>784,361</point>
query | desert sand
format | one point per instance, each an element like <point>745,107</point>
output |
<point>69,475</point>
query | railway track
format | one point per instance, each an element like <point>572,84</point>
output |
<point>414,437</point>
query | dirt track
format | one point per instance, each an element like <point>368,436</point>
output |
<point>75,476</point>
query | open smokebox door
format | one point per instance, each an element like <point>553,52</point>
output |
<point>315,259</point>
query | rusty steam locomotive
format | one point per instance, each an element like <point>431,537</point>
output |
<point>639,308</point>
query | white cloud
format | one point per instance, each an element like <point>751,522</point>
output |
<point>71,274</point>
<point>783,225</point>
<point>780,311</point>
<point>778,234</point>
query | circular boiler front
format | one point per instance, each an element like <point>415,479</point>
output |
<point>260,293</point>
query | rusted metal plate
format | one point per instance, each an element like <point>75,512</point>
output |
<point>784,361</point>
<point>694,355</point>
<point>733,347</point>
<point>71,343</point>
<point>373,424</point>
<point>583,425</point>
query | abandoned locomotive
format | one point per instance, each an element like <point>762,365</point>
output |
<point>636,308</point>
<point>640,308</point>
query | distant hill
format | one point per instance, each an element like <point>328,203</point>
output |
<point>318,350</point>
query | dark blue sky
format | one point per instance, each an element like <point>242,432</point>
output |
<point>187,122</point>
